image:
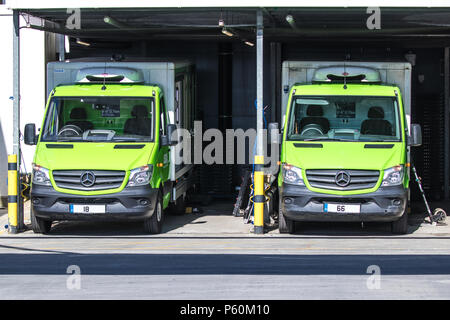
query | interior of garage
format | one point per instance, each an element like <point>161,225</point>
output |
<point>226,65</point>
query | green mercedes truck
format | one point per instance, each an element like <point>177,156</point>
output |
<point>345,143</point>
<point>105,149</point>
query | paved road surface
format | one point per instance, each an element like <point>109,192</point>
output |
<point>323,262</point>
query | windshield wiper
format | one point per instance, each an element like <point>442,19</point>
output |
<point>67,140</point>
<point>373,140</point>
<point>125,140</point>
<point>328,139</point>
<point>97,140</point>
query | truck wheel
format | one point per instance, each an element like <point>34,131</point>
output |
<point>153,224</point>
<point>40,225</point>
<point>401,225</point>
<point>285,225</point>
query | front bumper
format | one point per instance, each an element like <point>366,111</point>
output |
<point>47,203</point>
<point>298,203</point>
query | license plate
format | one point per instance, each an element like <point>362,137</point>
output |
<point>342,208</point>
<point>87,208</point>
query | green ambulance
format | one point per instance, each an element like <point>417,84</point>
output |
<point>345,143</point>
<point>106,149</point>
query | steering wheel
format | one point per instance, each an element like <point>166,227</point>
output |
<point>70,130</point>
<point>311,130</point>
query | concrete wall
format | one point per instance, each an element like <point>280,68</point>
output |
<point>32,86</point>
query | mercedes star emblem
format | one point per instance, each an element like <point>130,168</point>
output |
<point>87,179</point>
<point>342,179</point>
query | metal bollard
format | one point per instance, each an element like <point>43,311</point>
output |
<point>13,198</point>
<point>259,198</point>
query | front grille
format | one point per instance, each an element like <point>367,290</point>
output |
<point>104,179</point>
<point>326,179</point>
<point>87,200</point>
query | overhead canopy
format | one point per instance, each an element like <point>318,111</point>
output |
<point>202,23</point>
<point>21,4</point>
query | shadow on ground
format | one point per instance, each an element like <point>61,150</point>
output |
<point>221,264</point>
<point>172,223</point>
<point>216,218</point>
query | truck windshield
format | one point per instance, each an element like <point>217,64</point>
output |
<point>102,119</point>
<point>344,118</point>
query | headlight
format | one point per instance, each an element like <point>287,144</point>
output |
<point>292,175</point>
<point>140,176</point>
<point>393,176</point>
<point>41,175</point>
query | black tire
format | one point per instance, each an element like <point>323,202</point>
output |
<point>439,215</point>
<point>285,225</point>
<point>40,225</point>
<point>401,225</point>
<point>243,195</point>
<point>153,225</point>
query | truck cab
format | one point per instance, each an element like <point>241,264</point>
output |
<point>345,150</point>
<point>103,152</point>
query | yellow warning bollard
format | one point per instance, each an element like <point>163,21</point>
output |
<point>13,198</point>
<point>259,198</point>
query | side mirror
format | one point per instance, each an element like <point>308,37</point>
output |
<point>415,138</point>
<point>274,134</point>
<point>30,134</point>
<point>164,141</point>
<point>172,134</point>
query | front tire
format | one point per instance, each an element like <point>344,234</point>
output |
<point>285,225</point>
<point>153,225</point>
<point>401,225</point>
<point>40,225</point>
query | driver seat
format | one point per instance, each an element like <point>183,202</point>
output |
<point>78,118</point>
<point>140,124</point>
<point>376,124</point>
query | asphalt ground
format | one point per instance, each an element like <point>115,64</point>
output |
<point>213,255</point>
